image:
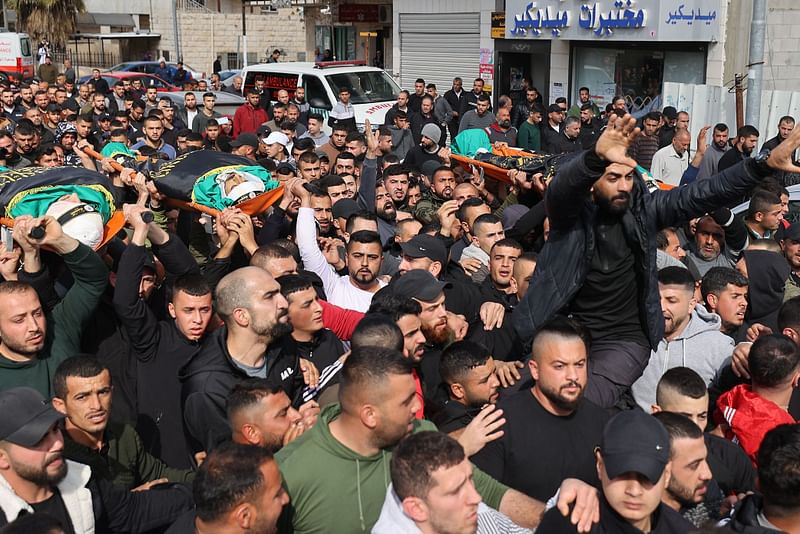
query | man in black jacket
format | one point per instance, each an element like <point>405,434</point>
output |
<point>599,262</point>
<point>777,509</point>
<point>250,345</point>
<point>37,478</point>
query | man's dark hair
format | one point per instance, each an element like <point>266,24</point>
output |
<point>400,114</point>
<point>230,475</point>
<point>561,100</point>
<point>355,136</point>
<point>772,186</point>
<point>459,359</point>
<point>430,86</point>
<point>38,523</point>
<point>248,393</point>
<point>359,215</point>
<point>25,128</point>
<point>316,116</point>
<point>292,283</point>
<point>291,246</point>
<point>138,104</point>
<point>483,97</point>
<point>154,118</point>
<point>720,127</point>
<point>345,155</point>
<point>584,88</point>
<point>486,218</point>
<point>377,330</point>
<point>289,125</point>
<point>679,427</point>
<point>415,459</point>
<point>676,276</point>
<point>778,460</point>
<point>785,118</point>
<point>563,327</point>
<point>395,170</point>
<point>419,80</point>
<point>369,367</point>
<point>683,381</point>
<point>509,243</point>
<point>717,279</point>
<point>461,214</point>
<point>773,359</point>
<point>194,284</point>
<point>393,305</point>
<point>308,157</point>
<point>789,315</point>
<point>746,131</point>
<point>47,150</point>
<point>331,180</point>
<point>761,202</point>
<point>83,366</point>
<point>588,106</point>
<point>662,237</point>
<point>364,236</point>
<point>211,95</point>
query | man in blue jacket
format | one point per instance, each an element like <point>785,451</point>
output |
<point>599,264</point>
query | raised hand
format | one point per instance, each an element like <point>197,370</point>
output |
<point>613,144</point>
<point>780,158</point>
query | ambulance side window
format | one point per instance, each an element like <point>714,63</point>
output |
<point>316,96</point>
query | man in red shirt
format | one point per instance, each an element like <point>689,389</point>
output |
<point>249,116</point>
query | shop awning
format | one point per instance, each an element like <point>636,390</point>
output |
<point>124,20</point>
<point>116,35</point>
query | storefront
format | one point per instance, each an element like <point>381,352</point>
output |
<point>629,48</point>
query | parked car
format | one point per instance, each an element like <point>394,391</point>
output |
<point>147,80</point>
<point>372,91</point>
<point>227,76</point>
<point>226,102</point>
<point>149,67</point>
<point>793,216</point>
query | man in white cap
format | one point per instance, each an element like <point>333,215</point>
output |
<point>277,147</point>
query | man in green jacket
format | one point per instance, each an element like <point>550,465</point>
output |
<point>530,131</point>
<point>114,451</point>
<point>336,474</point>
<point>35,340</point>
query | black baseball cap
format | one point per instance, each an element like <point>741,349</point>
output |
<point>245,139</point>
<point>25,416</point>
<point>554,108</point>
<point>793,232</point>
<point>344,208</point>
<point>425,246</point>
<point>418,284</point>
<point>635,442</point>
<point>284,168</point>
<point>670,112</point>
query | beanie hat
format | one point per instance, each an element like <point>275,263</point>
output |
<point>432,132</point>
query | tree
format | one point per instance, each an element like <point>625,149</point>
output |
<point>47,19</point>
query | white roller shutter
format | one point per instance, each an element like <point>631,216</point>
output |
<point>438,47</point>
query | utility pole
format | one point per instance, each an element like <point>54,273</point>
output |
<point>244,35</point>
<point>755,73</point>
<point>175,30</point>
<point>739,92</point>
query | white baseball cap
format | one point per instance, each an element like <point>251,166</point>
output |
<point>277,137</point>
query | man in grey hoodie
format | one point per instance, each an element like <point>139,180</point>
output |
<point>692,337</point>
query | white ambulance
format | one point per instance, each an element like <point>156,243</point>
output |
<point>16,55</point>
<point>372,90</point>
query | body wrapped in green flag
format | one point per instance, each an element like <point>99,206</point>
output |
<point>213,179</point>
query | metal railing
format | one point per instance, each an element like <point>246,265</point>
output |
<point>87,59</point>
<point>192,6</point>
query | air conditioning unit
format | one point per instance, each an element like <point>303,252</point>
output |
<point>385,14</point>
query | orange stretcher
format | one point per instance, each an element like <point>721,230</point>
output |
<point>253,206</point>
<point>499,173</point>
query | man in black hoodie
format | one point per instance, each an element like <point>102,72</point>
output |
<point>250,345</point>
<point>777,509</point>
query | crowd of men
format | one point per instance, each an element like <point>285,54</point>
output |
<point>399,344</point>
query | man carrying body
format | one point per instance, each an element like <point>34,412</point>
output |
<point>609,290</point>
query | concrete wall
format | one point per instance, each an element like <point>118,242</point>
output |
<point>133,7</point>
<point>205,35</point>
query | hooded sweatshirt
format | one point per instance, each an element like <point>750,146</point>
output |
<point>767,273</point>
<point>393,520</point>
<point>334,489</point>
<point>701,347</point>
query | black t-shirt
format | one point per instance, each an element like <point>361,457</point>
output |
<point>608,302</point>
<point>54,507</point>
<point>539,450</point>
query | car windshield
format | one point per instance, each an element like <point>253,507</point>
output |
<point>365,87</point>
